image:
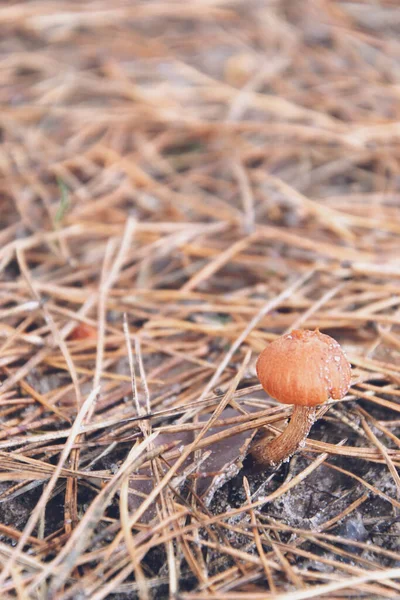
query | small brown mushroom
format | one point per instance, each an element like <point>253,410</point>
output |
<point>304,368</point>
<point>83,331</point>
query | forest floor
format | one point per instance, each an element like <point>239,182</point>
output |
<point>181,183</point>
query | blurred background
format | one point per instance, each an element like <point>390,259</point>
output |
<point>216,173</point>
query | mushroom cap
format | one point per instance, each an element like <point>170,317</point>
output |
<point>305,368</point>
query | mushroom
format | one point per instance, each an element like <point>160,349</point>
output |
<point>304,368</point>
<point>83,331</point>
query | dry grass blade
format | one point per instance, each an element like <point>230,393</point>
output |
<point>49,488</point>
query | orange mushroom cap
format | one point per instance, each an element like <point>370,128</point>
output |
<point>304,368</point>
<point>83,331</point>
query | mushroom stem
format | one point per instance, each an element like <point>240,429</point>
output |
<point>267,452</point>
